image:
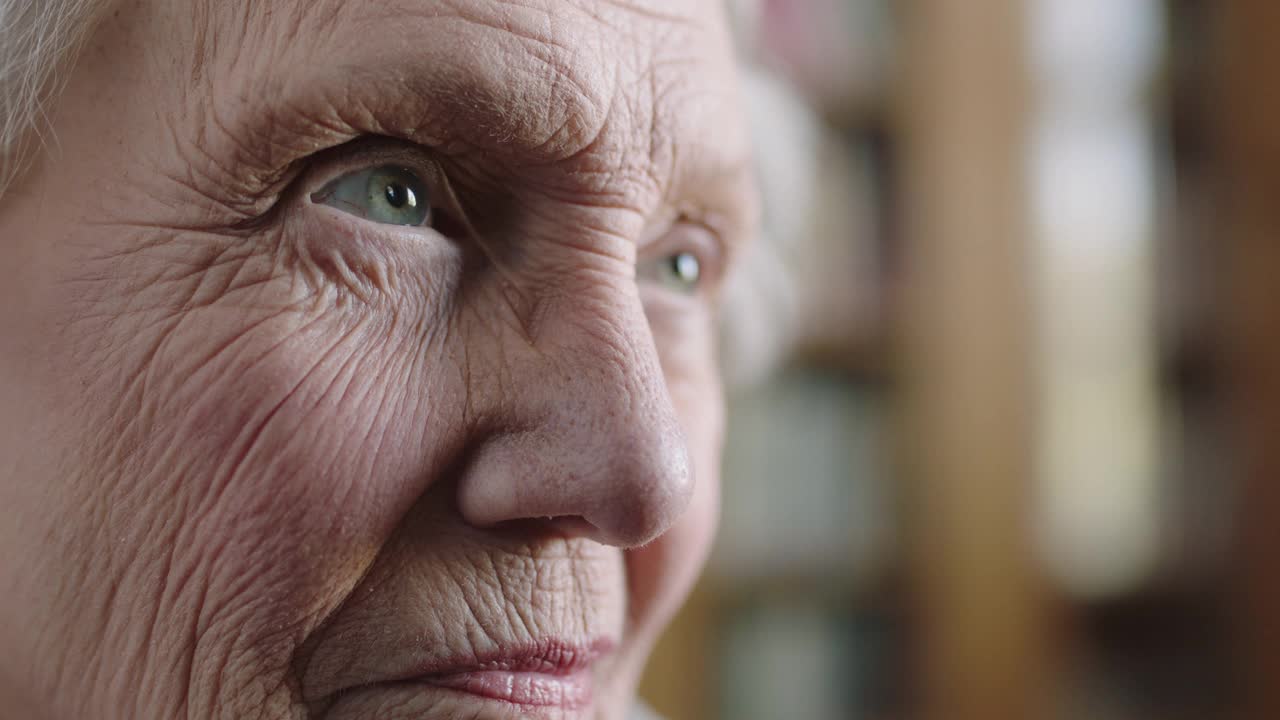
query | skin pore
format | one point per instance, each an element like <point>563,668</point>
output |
<point>264,457</point>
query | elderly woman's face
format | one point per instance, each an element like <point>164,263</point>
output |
<point>357,358</point>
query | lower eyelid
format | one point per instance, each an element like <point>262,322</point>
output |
<point>321,198</point>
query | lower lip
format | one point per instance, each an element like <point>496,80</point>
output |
<point>571,691</point>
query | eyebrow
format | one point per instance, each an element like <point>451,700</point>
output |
<point>450,96</point>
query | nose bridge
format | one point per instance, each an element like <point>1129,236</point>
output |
<point>598,448</point>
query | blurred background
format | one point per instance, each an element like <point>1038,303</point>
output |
<point>1004,369</point>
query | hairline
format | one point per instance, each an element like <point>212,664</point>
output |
<point>39,40</point>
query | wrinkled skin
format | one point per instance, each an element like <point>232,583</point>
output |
<point>258,456</point>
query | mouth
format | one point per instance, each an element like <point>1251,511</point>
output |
<point>550,674</point>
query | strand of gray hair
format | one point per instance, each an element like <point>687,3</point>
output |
<point>37,40</point>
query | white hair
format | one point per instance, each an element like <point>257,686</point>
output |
<point>37,39</point>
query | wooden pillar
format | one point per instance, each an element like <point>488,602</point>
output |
<point>1247,154</point>
<point>968,345</point>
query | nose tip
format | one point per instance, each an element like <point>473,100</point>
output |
<point>620,489</point>
<point>586,435</point>
<point>647,499</point>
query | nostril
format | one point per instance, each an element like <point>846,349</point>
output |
<point>566,526</point>
<point>571,526</point>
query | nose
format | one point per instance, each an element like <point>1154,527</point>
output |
<point>587,439</point>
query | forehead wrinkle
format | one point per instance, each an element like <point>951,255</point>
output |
<point>698,142</point>
<point>630,155</point>
<point>646,152</point>
<point>221,30</point>
<point>581,92</point>
<point>638,8</point>
<point>203,40</point>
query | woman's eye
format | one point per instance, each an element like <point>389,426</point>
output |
<point>677,271</point>
<point>387,194</point>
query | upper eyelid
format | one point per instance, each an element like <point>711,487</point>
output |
<point>361,154</point>
<point>720,246</point>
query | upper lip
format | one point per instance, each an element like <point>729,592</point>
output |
<point>386,634</point>
<point>550,656</point>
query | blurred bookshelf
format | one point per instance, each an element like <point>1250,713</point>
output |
<point>1001,482</point>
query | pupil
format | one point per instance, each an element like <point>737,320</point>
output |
<point>685,267</point>
<point>399,196</point>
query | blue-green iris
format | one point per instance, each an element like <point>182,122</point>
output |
<point>386,194</point>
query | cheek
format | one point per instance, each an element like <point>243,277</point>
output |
<point>298,444</point>
<point>254,438</point>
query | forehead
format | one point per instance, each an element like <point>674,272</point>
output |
<point>621,92</point>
